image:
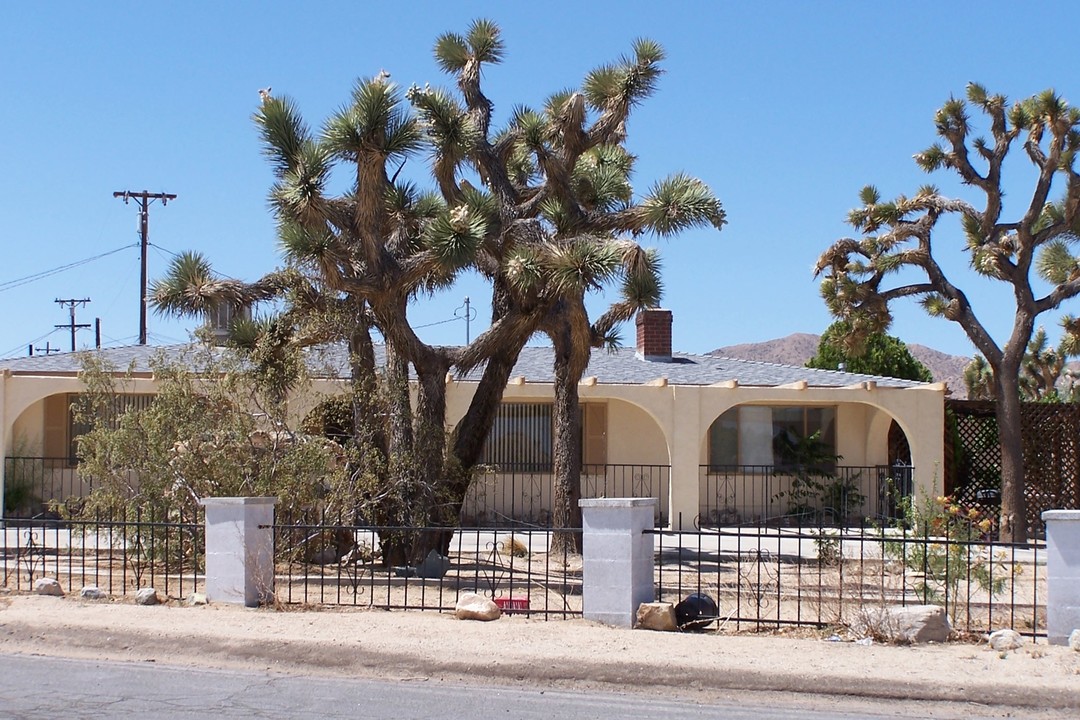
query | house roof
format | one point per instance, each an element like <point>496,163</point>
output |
<point>621,367</point>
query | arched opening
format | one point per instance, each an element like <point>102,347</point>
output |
<point>788,464</point>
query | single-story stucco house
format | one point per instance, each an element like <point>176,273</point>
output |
<point>705,434</point>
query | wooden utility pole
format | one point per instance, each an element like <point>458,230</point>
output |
<point>71,304</point>
<point>143,200</point>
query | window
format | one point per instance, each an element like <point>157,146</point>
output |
<point>121,404</point>
<point>522,437</point>
<point>774,436</point>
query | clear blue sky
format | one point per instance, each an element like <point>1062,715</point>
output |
<point>786,109</point>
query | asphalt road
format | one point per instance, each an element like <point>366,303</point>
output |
<point>34,687</point>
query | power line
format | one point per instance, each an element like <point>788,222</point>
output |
<point>22,346</point>
<point>18,282</point>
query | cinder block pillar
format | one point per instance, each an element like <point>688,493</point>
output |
<point>617,556</point>
<point>1062,574</point>
<point>239,549</point>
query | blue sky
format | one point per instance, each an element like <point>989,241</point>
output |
<point>786,109</point>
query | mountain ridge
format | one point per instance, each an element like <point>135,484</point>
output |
<point>797,348</point>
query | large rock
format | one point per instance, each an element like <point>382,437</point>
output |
<point>48,586</point>
<point>906,624</point>
<point>197,599</point>
<point>1074,640</point>
<point>92,592</point>
<point>1006,640</point>
<point>471,606</point>
<point>146,596</point>
<point>657,616</point>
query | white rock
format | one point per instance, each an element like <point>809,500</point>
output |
<point>197,599</point>
<point>1006,640</point>
<point>657,616</point>
<point>1074,640</point>
<point>471,606</point>
<point>92,592</point>
<point>908,624</point>
<point>48,586</point>
<point>146,596</point>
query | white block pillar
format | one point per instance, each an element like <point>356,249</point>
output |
<point>239,549</point>
<point>617,556</point>
<point>1062,574</point>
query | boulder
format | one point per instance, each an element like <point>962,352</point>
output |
<point>471,606</point>
<point>197,599</point>
<point>92,592</point>
<point>146,596</point>
<point>1074,640</point>
<point>1006,640</point>
<point>48,586</point>
<point>906,624</point>
<point>656,616</point>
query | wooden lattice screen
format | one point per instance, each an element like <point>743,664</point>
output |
<point>1051,441</point>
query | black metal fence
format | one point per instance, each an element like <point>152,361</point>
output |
<point>506,496</point>
<point>31,484</point>
<point>768,577</point>
<point>335,563</point>
<point>509,496</point>
<point>767,494</point>
<point>117,554</point>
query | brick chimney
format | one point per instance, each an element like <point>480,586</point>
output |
<point>654,335</point>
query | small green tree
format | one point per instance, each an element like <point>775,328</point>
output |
<point>210,431</point>
<point>879,354</point>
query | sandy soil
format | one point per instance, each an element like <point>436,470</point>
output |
<point>1042,680</point>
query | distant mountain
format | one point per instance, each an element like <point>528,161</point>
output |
<point>797,348</point>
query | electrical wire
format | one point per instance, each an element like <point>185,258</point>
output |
<point>19,282</point>
<point>21,346</point>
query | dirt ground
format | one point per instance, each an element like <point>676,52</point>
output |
<point>948,680</point>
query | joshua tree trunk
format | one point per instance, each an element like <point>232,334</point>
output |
<point>566,513</point>
<point>1013,522</point>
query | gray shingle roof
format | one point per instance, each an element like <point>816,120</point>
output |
<point>622,367</point>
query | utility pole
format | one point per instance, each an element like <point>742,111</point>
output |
<point>48,349</point>
<point>143,200</point>
<point>71,305</point>
<point>470,313</point>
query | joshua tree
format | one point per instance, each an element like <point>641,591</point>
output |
<point>551,216</point>
<point>897,243</point>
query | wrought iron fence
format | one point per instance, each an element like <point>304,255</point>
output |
<point>506,496</point>
<point>510,496</point>
<point>767,494</point>
<point>116,554</point>
<point>335,563</point>
<point>767,577</point>
<point>32,484</point>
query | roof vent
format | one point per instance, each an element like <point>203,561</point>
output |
<point>654,335</point>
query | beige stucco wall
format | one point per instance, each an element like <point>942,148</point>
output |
<point>653,423</point>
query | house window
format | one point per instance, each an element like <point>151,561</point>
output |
<point>782,436</point>
<point>121,405</point>
<point>522,437</point>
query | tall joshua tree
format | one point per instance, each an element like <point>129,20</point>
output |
<point>545,222</point>
<point>558,184</point>
<point>897,236</point>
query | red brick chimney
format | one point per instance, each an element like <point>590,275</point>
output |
<point>654,335</point>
